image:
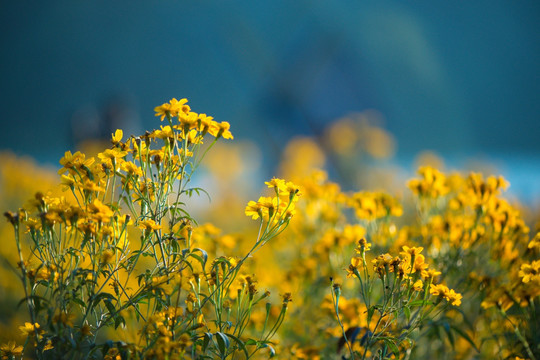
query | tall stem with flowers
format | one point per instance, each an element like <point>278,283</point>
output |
<point>118,252</point>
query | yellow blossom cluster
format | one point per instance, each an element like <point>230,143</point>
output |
<point>451,273</point>
<point>189,120</point>
<point>432,183</point>
<point>280,207</point>
<point>371,206</point>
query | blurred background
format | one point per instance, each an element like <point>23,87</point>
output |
<point>458,79</point>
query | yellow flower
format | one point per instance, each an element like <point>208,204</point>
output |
<point>184,341</point>
<point>44,273</point>
<point>453,297</point>
<point>165,133</point>
<point>148,225</point>
<point>178,106</point>
<point>268,203</point>
<point>530,272</point>
<point>363,246</point>
<point>372,206</point>
<point>381,263</point>
<point>480,191</point>
<point>411,251</point>
<point>131,168</point>
<point>275,183</point>
<point>433,183</point>
<point>206,123</point>
<point>107,256</point>
<point>289,214</point>
<point>192,137</point>
<point>419,264</point>
<point>11,349</point>
<point>308,352</point>
<point>253,209</point>
<point>117,136</point>
<point>356,263</point>
<point>535,242</point>
<point>232,261</point>
<point>450,295</point>
<point>439,289</point>
<point>139,147</point>
<point>172,108</point>
<point>418,285</point>
<point>86,226</point>
<point>432,273</point>
<point>67,182</point>
<point>48,345</point>
<point>292,189</point>
<point>29,329</point>
<point>90,186</point>
<point>112,154</point>
<point>86,330</point>
<point>189,120</point>
<point>287,297</point>
<point>100,211</point>
<point>113,354</point>
<point>163,110</point>
<point>222,130</point>
<point>70,160</point>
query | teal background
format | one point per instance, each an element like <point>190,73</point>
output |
<point>460,78</point>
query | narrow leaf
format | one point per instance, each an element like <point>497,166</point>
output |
<point>240,344</point>
<point>392,345</point>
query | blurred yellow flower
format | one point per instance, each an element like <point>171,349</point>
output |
<point>117,136</point>
<point>10,349</point>
<point>149,224</point>
<point>29,328</point>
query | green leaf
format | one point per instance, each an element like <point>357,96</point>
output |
<point>370,312</point>
<point>392,345</point>
<point>204,256</point>
<point>206,341</point>
<point>205,298</point>
<point>79,302</point>
<point>197,190</point>
<point>101,296</point>
<point>407,313</point>
<point>251,342</point>
<point>271,349</point>
<point>420,303</point>
<point>223,342</point>
<point>37,299</point>
<point>175,248</point>
<point>119,319</point>
<point>198,258</point>
<point>241,344</point>
<point>110,306</point>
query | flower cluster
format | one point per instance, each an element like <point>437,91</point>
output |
<point>113,263</point>
<point>119,250</point>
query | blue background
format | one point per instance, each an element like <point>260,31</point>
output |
<point>460,78</point>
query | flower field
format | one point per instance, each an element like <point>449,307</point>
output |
<point>111,258</point>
